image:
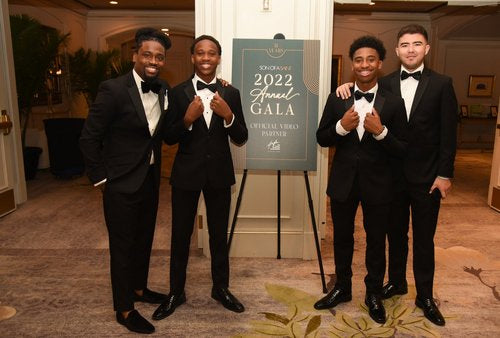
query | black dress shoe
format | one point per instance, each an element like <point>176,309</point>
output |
<point>149,296</point>
<point>333,298</point>
<point>169,305</point>
<point>135,322</point>
<point>227,299</point>
<point>375,308</point>
<point>391,289</point>
<point>431,310</point>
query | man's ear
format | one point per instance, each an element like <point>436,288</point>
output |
<point>427,48</point>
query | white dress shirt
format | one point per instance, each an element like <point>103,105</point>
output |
<point>151,104</point>
<point>362,107</point>
<point>409,88</point>
<point>206,96</point>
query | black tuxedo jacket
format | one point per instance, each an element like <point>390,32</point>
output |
<point>432,127</point>
<point>370,160</point>
<point>203,156</point>
<point>115,141</point>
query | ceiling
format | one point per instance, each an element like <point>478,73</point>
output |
<point>176,5</point>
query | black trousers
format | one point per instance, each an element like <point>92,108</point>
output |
<point>375,222</point>
<point>424,214</point>
<point>184,206</point>
<point>130,219</point>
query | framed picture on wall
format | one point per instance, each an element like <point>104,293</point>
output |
<point>481,85</point>
<point>464,110</point>
<point>494,111</point>
<point>336,72</point>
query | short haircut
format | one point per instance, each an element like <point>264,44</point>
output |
<point>151,34</point>
<point>412,29</point>
<point>370,42</point>
<point>206,37</point>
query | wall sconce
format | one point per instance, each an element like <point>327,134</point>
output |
<point>266,5</point>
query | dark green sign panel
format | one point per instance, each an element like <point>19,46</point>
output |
<point>279,84</point>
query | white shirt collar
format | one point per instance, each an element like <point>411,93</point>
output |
<point>419,68</point>
<point>137,79</point>
<point>371,90</point>
<point>197,78</point>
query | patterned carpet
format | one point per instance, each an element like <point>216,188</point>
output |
<point>54,271</point>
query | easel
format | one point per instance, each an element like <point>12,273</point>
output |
<point>313,219</point>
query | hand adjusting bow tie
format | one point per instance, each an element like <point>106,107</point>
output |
<point>200,85</point>
<point>368,96</point>
<point>415,75</point>
<point>153,86</point>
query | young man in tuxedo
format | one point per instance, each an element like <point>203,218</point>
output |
<point>121,143</point>
<point>367,131</point>
<point>205,115</point>
<point>431,109</point>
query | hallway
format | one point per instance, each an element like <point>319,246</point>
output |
<point>54,270</point>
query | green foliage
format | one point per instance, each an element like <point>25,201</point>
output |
<point>34,47</point>
<point>89,68</point>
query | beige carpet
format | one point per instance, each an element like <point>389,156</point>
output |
<point>54,273</point>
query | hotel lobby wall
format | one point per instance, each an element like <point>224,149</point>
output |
<point>385,26</point>
<point>256,229</point>
<point>451,54</point>
<point>100,30</point>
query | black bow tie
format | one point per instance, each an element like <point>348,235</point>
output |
<point>200,86</point>
<point>153,86</point>
<point>415,75</point>
<point>368,96</point>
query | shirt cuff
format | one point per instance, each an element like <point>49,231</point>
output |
<point>382,135</point>
<point>227,125</point>
<point>443,178</point>
<point>100,182</point>
<point>340,130</point>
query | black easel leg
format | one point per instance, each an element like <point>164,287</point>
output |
<point>237,208</point>
<point>316,239</point>
<point>279,215</point>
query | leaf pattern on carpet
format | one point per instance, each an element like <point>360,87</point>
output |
<point>302,320</point>
<point>468,259</point>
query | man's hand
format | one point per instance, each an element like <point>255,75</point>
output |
<point>224,82</point>
<point>443,185</point>
<point>194,111</point>
<point>350,120</point>
<point>372,123</point>
<point>221,108</point>
<point>344,91</point>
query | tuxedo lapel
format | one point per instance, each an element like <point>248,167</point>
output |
<point>221,90</point>
<point>379,102</point>
<point>191,93</point>
<point>216,118</point>
<point>422,85</point>
<point>350,101</point>
<point>136,98</point>
<point>189,89</point>
<point>395,82</point>
<point>161,99</point>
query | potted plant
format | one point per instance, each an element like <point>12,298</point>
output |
<point>89,68</point>
<point>35,48</point>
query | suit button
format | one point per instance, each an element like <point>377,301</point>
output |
<point>208,156</point>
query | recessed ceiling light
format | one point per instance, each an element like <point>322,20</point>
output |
<point>165,29</point>
<point>371,3</point>
<point>114,2</point>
